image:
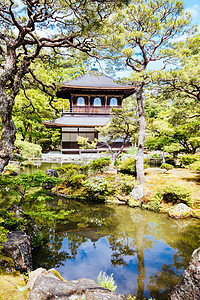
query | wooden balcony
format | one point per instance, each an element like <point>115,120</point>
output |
<point>91,109</point>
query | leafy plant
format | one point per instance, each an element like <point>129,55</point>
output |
<point>100,163</point>
<point>22,182</point>
<point>177,194</point>
<point>11,169</point>
<point>195,166</point>
<point>106,281</point>
<point>166,166</point>
<point>97,188</point>
<point>128,166</point>
<point>188,159</point>
<point>28,149</point>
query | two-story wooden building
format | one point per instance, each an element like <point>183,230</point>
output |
<point>91,98</point>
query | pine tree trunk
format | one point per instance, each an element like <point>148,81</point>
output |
<point>7,139</point>
<point>141,135</point>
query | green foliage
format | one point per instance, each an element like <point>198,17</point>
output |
<point>99,164</point>
<point>3,233</point>
<point>125,183</point>
<point>128,166</point>
<point>154,202</point>
<point>195,166</point>
<point>74,181</point>
<point>106,281</point>
<point>77,169</point>
<point>22,182</point>
<point>84,143</point>
<point>188,159</point>
<point>132,150</point>
<point>29,149</point>
<point>166,166</point>
<point>43,213</point>
<point>11,169</point>
<point>175,193</point>
<point>97,188</point>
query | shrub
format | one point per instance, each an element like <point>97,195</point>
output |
<point>166,167</point>
<point>177,194</point>
<point>106,281</point>
<point>78,169</point>
<point>97,188</point>
<point>11,169</point>
<point>195,166</point>
<point>188,159</point>
<point>74,181</point>
<point>128,166</point>
<point>154,203</point>
<point>99,164</point>
<point>29,149</point>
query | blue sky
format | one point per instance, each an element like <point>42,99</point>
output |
<point>193,6</point>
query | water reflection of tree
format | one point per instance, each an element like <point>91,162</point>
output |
<point>161,283</point>
<point>121,247</point>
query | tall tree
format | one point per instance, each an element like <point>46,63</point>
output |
<point>29,26</point>
<point>139,35</point>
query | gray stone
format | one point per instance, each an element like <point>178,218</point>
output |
<point>18,247</point>
<point>181,210</point>
<point>31,227</point>
<point>189,287</point>
<point>52,173</point>
<point>44,286</point>
<point>137,192</point>
<point>5,264</point>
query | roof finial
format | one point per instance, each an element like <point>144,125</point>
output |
<point>94,68</point>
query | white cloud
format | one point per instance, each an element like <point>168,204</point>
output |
<point>193,10</point>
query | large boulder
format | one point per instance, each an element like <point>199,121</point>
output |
<point>52,173</point>
<point>18,247</point>
<point>189,287</point>
<point>180,211</point>
<point>30,226</point>
<point>45,285</point>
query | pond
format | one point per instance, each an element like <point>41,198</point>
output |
<point>146,252</point>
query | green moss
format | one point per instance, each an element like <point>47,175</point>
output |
<point>12,286</point>
<point>57,274</point>
<point>134,203</point>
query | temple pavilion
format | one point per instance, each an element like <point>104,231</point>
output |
<point>91,98</point>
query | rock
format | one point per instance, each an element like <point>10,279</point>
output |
<point>30,227</point>
<point>5,265</point>
<point>181,210</point>
<point>189,287</point>
<point>44,285</point>
<point>52,173</point>
<point>137,192</point>
<point>18,247</point>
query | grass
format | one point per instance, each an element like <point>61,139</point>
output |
<point>156,179</point>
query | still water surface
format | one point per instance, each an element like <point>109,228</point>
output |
<point>146,252</point>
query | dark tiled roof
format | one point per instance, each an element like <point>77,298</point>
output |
<point>91,80</point>
<point>74,120</point>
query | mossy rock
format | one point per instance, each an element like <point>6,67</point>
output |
<point>134,203</point>
<point>12,286</point>
<point>57,274</point>
<point>180,211</point>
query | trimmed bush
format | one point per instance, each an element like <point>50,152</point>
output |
<point>166,167</point>
<point>128,166</point>
<point>188,159</point>
<point>29,149</point>
<point>177,194</point>
<point>195,166</point>
<point>99,164</point>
